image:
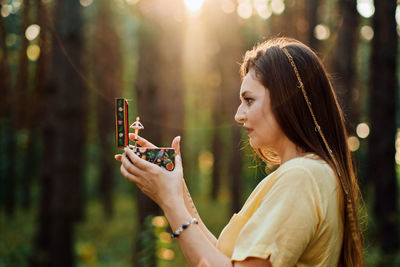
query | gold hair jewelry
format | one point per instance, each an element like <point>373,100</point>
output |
<point>318,129</point>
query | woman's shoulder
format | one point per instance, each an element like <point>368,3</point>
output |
<point>311,163</point>
<point>307,168</point>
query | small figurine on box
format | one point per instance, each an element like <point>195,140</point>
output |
<point>136,126</point>
<point>161,156</point>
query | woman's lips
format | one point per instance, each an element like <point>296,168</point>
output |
<point>248,130</point>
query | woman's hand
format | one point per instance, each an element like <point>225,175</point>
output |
<point>142,142</point>
<point>164,187</point>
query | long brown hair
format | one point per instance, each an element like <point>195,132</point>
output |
<point>275,72</point>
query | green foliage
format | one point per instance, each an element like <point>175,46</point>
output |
<point>16,238</point>
<point>101,241</point>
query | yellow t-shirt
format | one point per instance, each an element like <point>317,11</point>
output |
<point>293,217</point>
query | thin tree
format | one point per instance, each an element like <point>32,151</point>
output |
<point>21,122</point>
<point>21,88</point>
<point>108,72</point>
<point>7,196</point>
<point>312,22</point>
<point>382,113</point>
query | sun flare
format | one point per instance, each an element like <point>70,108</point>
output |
<point>193,5</point>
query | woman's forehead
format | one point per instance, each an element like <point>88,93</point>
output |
<point>250,84</point>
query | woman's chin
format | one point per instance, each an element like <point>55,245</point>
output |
<point>253,143</point>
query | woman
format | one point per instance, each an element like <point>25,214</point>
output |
<point>302,214</point>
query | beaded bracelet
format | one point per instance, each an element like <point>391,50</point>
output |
<point>183,227</point>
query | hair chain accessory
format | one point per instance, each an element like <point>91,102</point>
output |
<point>318,129</point>
<point>183,227</point>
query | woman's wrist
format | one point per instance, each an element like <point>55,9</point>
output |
<point>173,205</point>
<point>177,215</point>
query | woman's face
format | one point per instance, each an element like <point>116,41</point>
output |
<point>256,115</point>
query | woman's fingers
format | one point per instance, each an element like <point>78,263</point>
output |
<point>118,157</point>
<point>130,167</point>
<point>128,175</point>
<point>176,144</point>
<point>141,141</point>
<point>178,162</point>
<point>138,162</point>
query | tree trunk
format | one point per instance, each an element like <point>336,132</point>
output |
<point>227,59</point>
<point>108,76</point>
<point>5,81</point>
<point>21,90</point>
<point>344,63</point>
<point>41,257</point>
<point>21,123</point>
<point>7,175</point>
<point>312,22</point>
<point>35,106</point>
<point>217,145</point>
<point>381,154</point>
<point>159,88</point>
<point>61,184</point>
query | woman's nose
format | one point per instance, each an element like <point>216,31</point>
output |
<point>240,116</point>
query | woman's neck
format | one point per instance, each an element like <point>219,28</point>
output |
<point>288,150</point>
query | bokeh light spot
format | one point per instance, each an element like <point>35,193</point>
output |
<point>277,6</point>
<point>206,161</point>
<point>365,8</point>
<point>353,143</point>
<point>165,237</point>
<point>6,10</point>
<point>33,52</point>
<point>367,33</point>
<point>166,254</point>
<point>322,32</point>
<point>159,221</point>
<point>87,253</point>
<point>32,32</point>
<point>263,10</point>
<point>16,5</point>
<point>86,3</point>
<point>362,130</point>
<point>245,10</point>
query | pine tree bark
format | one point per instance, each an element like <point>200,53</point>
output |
<point>61,181</point>
<point>344,63</point>
<point>382,112</point>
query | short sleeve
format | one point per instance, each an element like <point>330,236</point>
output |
<point>284,223</point>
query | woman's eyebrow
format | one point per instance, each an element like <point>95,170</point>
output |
<point>243,94</point>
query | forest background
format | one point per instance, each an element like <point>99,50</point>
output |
<point>63,201</point>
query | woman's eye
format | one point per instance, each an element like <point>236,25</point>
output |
<point>249,100</point>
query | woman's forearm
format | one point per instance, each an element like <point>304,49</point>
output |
<point>193,212</point>
<point>194,243</point>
